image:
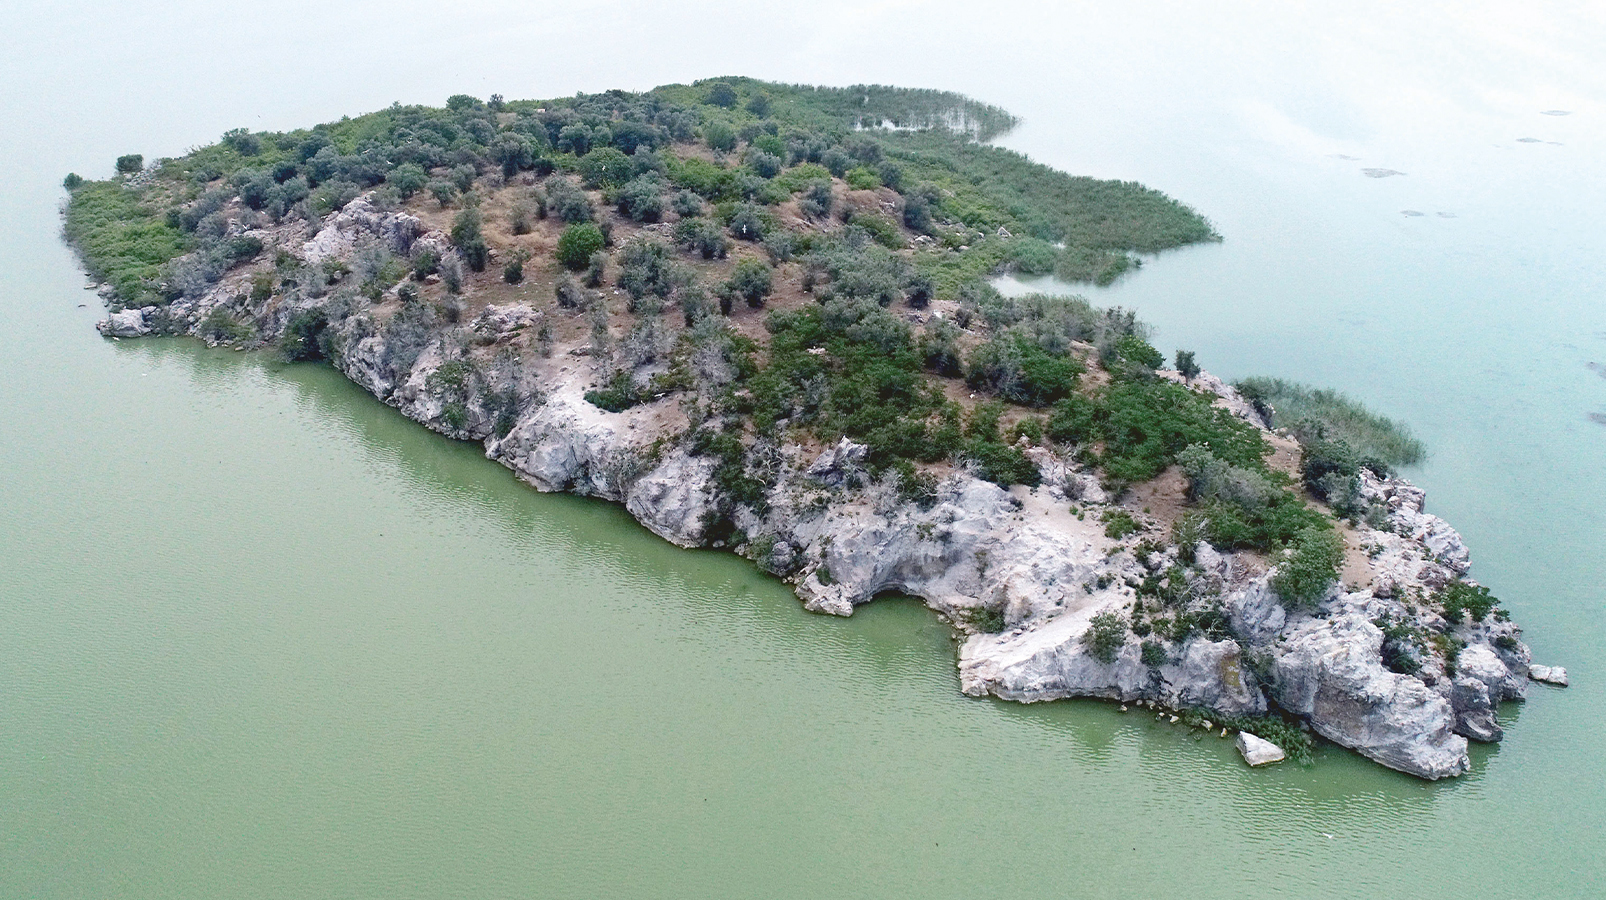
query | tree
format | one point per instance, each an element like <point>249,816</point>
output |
<point>1105,636</point>
<point>463,103</point>
<point>642,199</point>
<point>468,237</point>
<point>513,272</point>
<point>130,163</point>
<point>719,136</point>
<point>767,165</point>
<point>408,179</point>
<point>759,104</point>
<point>1186,365</point>
<point>720,93</point>
<point>1303,578</point>
<point>752,281</point>
<point>73,181</point>
<point>443,191</point>
<point>605,167</point>
<point>512,152</point>
<point>576,245</point>
<point>747,223</point>
<point>817,199</point>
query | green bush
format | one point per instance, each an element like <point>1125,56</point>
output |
<point>1461,598</point>
<point>1118,523</point>
<point>1105,636</point>
<point>1020,371</point>
<point>1187,367</point>
<point>73,181</point>
<point>720,93</point>
<point>719,136</point>
<point>468,237</point>
<point>576,245</point>
<point>752,281</point>
<point>1303,578</point>
<point>861,178</point>
<point>304,337</point>
<point>130,163</point>
<point>606,167</point>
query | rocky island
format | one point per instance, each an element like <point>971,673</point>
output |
<point>759,316</point>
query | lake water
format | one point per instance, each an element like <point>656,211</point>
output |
<point>261,637</point>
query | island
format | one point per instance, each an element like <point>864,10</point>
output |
<point>762,317</point>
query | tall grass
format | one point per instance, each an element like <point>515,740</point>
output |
<point>1326,414</point>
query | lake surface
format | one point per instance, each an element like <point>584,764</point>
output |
<point>262,637</point>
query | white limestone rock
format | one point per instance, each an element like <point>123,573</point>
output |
<point>1257,751</point>
<point>1548,674</point>
<point>124,324</point>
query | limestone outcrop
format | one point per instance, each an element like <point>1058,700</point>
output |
<point>1022,572</point>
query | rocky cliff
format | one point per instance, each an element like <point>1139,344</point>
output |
<point>1023,572</point>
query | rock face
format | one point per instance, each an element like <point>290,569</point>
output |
<point>1258,751</point>
<point>1022,572</point>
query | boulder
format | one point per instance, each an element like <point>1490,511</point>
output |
<point>1548,674</point>
<point>1257,751</point>
<point>127,323</point>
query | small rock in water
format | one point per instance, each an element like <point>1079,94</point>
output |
<point>1207,725</point>
<point>1223,732</point>
<point>1556,112</point>
<point>1548,674</point>
<point>1380,173</point>
<point>1123,707</point>
<point>1410,212</point>
<point>1173,720</point>
<point>1258,751</point>
<point>1529,141</point>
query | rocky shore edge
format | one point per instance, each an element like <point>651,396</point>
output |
<point>1035,564</point>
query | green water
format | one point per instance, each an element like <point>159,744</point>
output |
<point>261,637</point>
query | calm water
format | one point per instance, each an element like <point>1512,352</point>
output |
<point>261,637</point>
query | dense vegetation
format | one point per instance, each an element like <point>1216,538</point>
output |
<point>863,221</point>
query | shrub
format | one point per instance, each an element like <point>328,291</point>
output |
<point>861,178</point>
<point>642,199</point>
<point>765,164</point>
<point>686,204</point>
<point>408,179</point>
<point>568,202</point>
<point>720,93</point>
<point>1154,654</point>
<point>1303,578</point>
<point>576,245</point>
<point>618,396</point>
<point>567,293</point>
<point>597,269</point>
<point>1016,369</point>
<point>425,263</point>
<point>719,136</point>
<point>444,192</point>
<point>747,223</point>
<point>751,280</point>
<point>606,167</point>
<point>1461,598</point>
<point>468,237</point>
<point>646,267</point>
<point>513,272</point>
<point>73,181</point>
<point>817,199</point>
<point>1105,636</point>
<point>452,273</point>
<point>1187,367</point>
<point>702,236</point>
<point>304,336</point>
<point>130,163</point>
<point>759,104</point>
<point>1118,523</point>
